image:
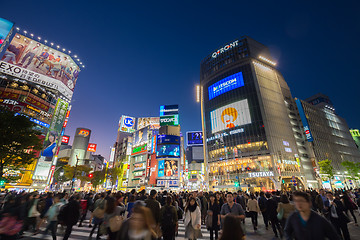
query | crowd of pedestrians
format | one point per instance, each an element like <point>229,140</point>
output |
<point>155,215</point>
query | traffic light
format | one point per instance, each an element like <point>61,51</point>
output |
<point>90,175</point>
<point>236,184</point>
<point>2,182</point>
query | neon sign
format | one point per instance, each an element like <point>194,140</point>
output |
<point>225,48</point>
<point>227,84</point>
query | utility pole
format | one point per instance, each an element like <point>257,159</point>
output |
<point>73,179</point>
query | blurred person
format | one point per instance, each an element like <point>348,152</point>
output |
<point>111,210</point>
<point>350,205</point>
<point>69,215</point>
<point>262,201</point>
<point>320,200</point>
<point>231,229</point>
<point>97,221</point>
<point>86,205</point>
<point>271,206</point>
<point>335,213</point>
<point>285,208</point>
<point>154,206</point>
<point>130,205</point>
<point>192,221</point>
<point>52,217</point>
<point>214,214</point>
<point>169,220</point>
<point>307,224</point>
<point>254,209</point>
<point>139,226</point>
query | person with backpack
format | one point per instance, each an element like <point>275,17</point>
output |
<point>112,219</point>
<point>69,215</point>
<point>169,219</point>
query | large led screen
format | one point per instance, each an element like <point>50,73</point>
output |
<point>153,122</point>
<point>171,150</point>
<point>5,28</point>
<point>141,136</point>
<point>168,139</point>
<point>230,116</point>
<point>227,84</point>
<point>171,168</point>
<point>194,138</point>
<point>35,62</point>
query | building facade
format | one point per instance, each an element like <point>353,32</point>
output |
<point>249,139</point>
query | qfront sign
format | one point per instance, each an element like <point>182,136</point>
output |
<point>260,174</point>
<point>225,48</point>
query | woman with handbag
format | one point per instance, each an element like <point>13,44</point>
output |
<point>212,218</point>
<point>284,209</point>
<point>254,209</point>
<point>112,219</point>
<point>98,215</point>
<point>192,220</point>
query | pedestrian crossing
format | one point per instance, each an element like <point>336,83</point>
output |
<point>82,233</point>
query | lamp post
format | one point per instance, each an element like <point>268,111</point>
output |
<point>73,179</point>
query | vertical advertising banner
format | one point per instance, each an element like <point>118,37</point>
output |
<point>53,136</point>
<point>304,121</point>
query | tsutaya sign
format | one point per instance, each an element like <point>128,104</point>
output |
<point>225,48</point>
<point>261,174</point>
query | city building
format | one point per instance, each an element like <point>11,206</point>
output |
<point>330,137</point>
<point>250,122</point>
<point>37,80</point>
<point>195,170</point>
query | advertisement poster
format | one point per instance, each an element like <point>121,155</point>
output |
<point>161,168</point>
<point>51,140</point>
<point>141,136</point>
<point>168,139</point>
<point>166,110</point>
<point>127,124</point>
<point>171,168</point>
<point>194,138</point>
<point>35,62</point>
<point>153,122</point>
<point>171,150</point>
<point>172,120</point>
<point>230,116</point>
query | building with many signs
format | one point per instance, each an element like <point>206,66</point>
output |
<point>249,118</point>
<point>37,80</point>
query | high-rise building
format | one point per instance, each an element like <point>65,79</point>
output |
<point>249,120</point>
<point>330,137</point>
<point>37,80</point>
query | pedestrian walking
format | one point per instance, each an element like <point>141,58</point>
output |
<point>254,209</point>
<point>52,217</point>
<point>192,220</point>
<point>98,215</point>
<point>350,205</point>
<point>284,209</point>
<point>214,214</point>
<point>169,220</point>
<point>231,229</point>
<point>307,224</point>
<point>335,213</point>
<point>271,206</point>
<point>262,205</point>
<point>112,219</point>
<point>231,207</point>
<point>69,215</point>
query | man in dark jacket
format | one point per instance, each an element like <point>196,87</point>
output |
<point>271,209</point>
<point>154,205</point>
<point>262,204</point>
<point>307,224</point>
<point>335,213</point>
<point>69,215</point>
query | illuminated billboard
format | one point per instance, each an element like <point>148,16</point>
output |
<point>168,150</point>
<point>166,110</point>
<point>161,168</point>
<point>171,168</point>
<point>172,120</point>
<point>230,116</point>
<point>35,62</point>
<point>153,122</point>
<point>140,136</point>
<point>304,121</point>
<point>5,31</point>
<point>227,84</point>
<point>65,140</point>
<point>168,139</point>
<point>92,147</point>
<point>127,124</point>
<point>194,138</point>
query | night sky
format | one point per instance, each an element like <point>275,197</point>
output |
<point>144,54</point>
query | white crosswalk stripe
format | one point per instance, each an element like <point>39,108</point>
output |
<point>82,233</point>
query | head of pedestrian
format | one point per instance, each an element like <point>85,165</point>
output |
<point>322,192</point>
<point>153,193</point>
<point>110,205</point>
<point>57,198</point>
<point>212,198</point>
<point>252,196</point>
<point>169,200</point>
<point>330,196</point>
<point>229,198</point>
<point>284,198</point>
<point>231,229</point>
<point>192,204</point>
<point>302,201</point>
<point>141,221</point>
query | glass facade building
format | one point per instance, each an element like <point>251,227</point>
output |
<point>249,136</point>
